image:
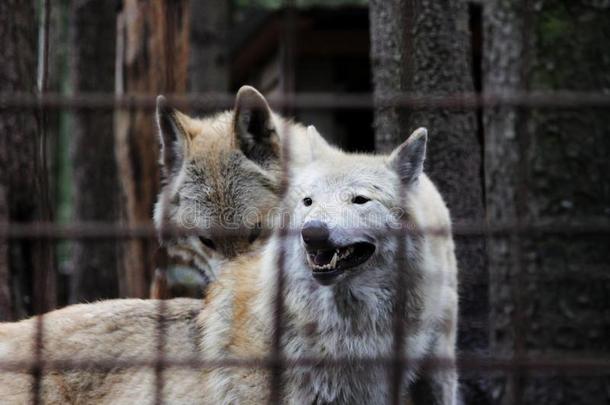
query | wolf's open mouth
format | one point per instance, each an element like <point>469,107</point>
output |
<point>334,260</point>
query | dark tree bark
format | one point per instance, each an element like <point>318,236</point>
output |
<point>423,47</point>
<point>549,293</point>
<point>56,77</point>
<point>54,129</point>
<point>21,174</point>
<point>152,58</point>
<point>208,65</point>
<point>6,301</point>
<point>390,50</point>
<point>208,71</point>
<point>94,178</point>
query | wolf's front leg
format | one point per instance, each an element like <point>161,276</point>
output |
<point>436,387</point>
<point>438,384</point>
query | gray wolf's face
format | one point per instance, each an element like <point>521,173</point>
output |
<point>347,206</point>
<point>221,178</point>
<point>225,201</point>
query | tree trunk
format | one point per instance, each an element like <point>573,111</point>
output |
<point>208,71</point>
<point>390,48</point>
<point>412,44</point>
<point>94,179</point>
<point>6,301</point>
<point>21,173</point>
<point>54,126</point>
<point>548,292</point>
<point>152,58</point>
<point>208,68</point>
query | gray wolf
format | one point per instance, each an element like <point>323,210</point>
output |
<point>220,179</point>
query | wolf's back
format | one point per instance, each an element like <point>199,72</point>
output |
<point>102,353</point>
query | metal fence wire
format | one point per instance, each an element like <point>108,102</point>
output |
<point>286,102</point>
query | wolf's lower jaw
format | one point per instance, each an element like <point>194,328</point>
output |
<point>341,258</point>
<point>328,264</point>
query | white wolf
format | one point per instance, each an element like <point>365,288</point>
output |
<point>340,292</point>
<point>339,298</point>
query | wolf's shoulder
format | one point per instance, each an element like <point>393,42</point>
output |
<point>427,206</point>
<point>118,309</point>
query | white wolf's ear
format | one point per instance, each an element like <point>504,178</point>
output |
<point>408,158</point>
<point>173,137</point>
<point>317,143</point>
<point>255,132</point>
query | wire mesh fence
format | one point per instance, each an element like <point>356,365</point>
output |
<point>277,362</point>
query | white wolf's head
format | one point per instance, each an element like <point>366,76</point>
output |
<point>346,206</point>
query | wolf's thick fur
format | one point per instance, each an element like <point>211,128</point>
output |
<point>105,332</point>
<point>349,317</point>
<point>352,318</point>
<point>221,178</point>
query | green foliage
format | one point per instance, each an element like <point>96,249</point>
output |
<point>570,52</point>
<point>63,192</point>
<point>571,46</point>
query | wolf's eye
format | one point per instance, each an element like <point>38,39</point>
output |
<point>360,199</point>
<point>207,242</point>
<point>255,233</point>
<point>307,201</point>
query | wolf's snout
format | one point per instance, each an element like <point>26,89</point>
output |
<point>315,234</point>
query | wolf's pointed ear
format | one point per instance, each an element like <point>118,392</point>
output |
<point>255,133</point>
<point>172,135</point>
<point>317,143</point>
<point>408,158</point>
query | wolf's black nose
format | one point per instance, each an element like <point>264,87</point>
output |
<point>315,234</point>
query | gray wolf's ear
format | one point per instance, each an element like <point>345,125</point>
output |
<point>255,132</point>
<point>173,137</point>
<point>408,158</point>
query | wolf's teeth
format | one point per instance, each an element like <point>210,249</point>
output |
<point>346,252</point>
<point>333,261</point>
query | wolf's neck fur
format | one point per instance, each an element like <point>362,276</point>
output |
<point>348,305</point>
<point>348,321</point>
<point>345,322</point>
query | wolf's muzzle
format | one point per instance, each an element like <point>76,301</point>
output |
<point>315,234</point>
<point>328,258</point>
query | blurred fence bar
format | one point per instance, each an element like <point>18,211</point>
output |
<point>287,101</point>
<point>318,100</point>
